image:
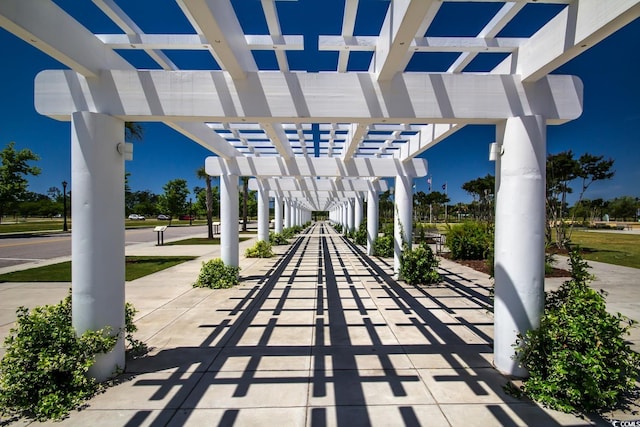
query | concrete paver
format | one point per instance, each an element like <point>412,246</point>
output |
<point>319,336</point>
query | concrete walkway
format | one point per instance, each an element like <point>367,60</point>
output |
<point>319,336</point>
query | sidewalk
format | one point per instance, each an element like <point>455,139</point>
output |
<point>320,335</point>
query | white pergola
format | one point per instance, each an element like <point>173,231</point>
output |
<point>372,124</point>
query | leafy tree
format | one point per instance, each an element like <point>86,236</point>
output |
<point>202,174</point>
<point>133,131</point>
<point>385,206</point>
<point>144,202</point>
<point>437,199</point>
<point>562,170</point>
<point>13,171</point>
<point>623,208</point>
<point>482,190</point>
<point>174,199</point>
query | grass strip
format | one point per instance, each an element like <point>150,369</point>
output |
<point>200,241</point>
<point>135,267</point>
<point>612,248</point>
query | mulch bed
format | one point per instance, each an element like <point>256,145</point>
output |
<point>481,266</point>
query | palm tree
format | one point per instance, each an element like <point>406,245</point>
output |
<point>202,174</point>
<point>133,131</point>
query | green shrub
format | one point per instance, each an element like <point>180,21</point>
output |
<point>215,274</point>
<point>383,246</point>
<point>277,239</point>
<point>419,266</point>
<point>338,228</point>
<point>470,240</point>
<point>360,235</point>
<point>261,249</point>
<point>43,372</point>
<point>578,359</point>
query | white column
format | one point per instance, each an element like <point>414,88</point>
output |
<point>345,217</point>
<point>358,207</point>
<point>229,216</point>
<point>372,219</point>
<point>519,236</point>
<point>350,214</point>
<point>277,211</point>
<point>287,213</point>
<point>263,212</point>
<point>402,218</point>
<point>292,213</point>
<point>97,240</point>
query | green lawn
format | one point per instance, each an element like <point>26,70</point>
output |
<point>25,227</point>
<point>200,241</point>
<point>612,248</point>
<point>135,267</point>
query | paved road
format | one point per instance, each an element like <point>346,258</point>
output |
<point>37,247</point>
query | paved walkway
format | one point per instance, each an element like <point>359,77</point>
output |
<point>319,336</point>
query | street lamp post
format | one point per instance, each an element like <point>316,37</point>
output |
<point>190,213</point>
<point>64,206</point>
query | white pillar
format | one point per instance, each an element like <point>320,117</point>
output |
<point>402,218</point>
<point>292,213</point>
<point>229,216</point>
<point>372,219</point>
<point>350,214</point>
<point>277,212</point>
<point>263,213</point>
<point>97,240</point>
<point>287,213</point>
<point>519,236</point>
<point>345,217</point>
<point>358,212</point>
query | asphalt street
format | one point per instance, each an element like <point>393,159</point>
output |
<point>17,250</point>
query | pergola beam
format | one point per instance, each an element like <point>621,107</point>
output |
<point>320,184</point>
<point>267,97</point>
<point>575,29</point>
<point>50,29</point>
<point>402,24</point>
<point>217,21</point>
<point>315,167</point>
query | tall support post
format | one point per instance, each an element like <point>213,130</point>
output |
<point>372,219</point>
<point>277,212</point>
<point>519,236</point>
<point>287,213</point>
<point>357,213</point>
<point>350,215</point>
<point>229,215</point>
<point>97,241</point>
<point>292,208</point>
<point>263,212</point>
<point>345,217</point>
<point>402,224</point>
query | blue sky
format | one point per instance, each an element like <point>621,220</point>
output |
<point>608,125</point>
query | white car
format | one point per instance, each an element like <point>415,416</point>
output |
<point>136,217</point>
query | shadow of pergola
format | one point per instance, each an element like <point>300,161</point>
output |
<point>326,332</point>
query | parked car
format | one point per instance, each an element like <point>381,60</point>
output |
<point>136,217</point>
<point>186,217</point>
<point>163,217</point>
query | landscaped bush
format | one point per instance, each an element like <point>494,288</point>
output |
<point>215,274</point>
<point>261,249</point>
<point>578,359</point>
<point>383,246</point>
<point>43,374</point>
<point>470,240</point>
<point>277,239</point>
<point>360,235</point>
<point>419,266</point>
<point>338,228</point>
